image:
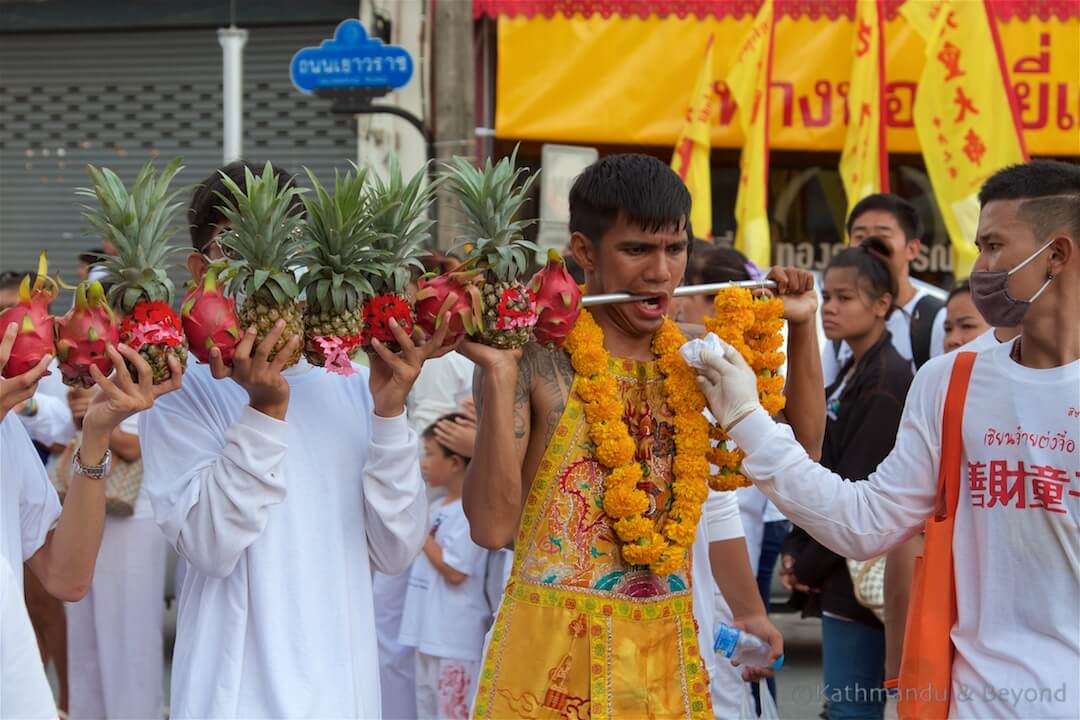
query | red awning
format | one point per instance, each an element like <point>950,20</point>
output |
<point>813,9</point>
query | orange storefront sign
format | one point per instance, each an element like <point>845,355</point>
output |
<point>569,76</point>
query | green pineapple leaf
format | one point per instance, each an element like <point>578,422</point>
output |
<point>491,198</point>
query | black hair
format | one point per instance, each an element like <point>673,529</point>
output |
<point>203,213</point>
<point>1050,190</point>
<point>644,190</point>
<point>429,434</point>
<point>576,271</point>
<point>961,288</point>
<point>10,279</point>
<point>715,264</point>
<point>870,260</point>
<point>91,257</point>
<point>898,207</point>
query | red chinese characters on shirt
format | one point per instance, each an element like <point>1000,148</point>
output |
<point>1003,483</point>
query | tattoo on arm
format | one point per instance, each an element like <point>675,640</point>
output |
<point>552,375</point>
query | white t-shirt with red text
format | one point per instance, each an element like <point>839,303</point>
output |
<point>1016,543</point>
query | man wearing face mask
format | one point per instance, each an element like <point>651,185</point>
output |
<point>1015,640</point>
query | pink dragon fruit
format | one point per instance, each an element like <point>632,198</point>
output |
<point>558,302</point>
<point>83,334</point>
<point>209,319</point>
<point>35,335</point>
<point>465,313</point>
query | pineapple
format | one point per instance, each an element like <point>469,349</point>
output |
<point>490,199</point>
<point>265,233</point>
<point>340,249</point>
<point>139,223</point>
<point>399,213</point>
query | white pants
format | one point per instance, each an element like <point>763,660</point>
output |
<point>444,687</point>
<point>115,654</point>
<point>397,662</point>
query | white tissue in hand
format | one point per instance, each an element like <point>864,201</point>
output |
<point>693,349</point>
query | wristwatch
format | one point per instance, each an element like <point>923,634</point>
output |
<point>94,472</point>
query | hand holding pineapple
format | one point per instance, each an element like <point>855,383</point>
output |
<point>393,375</point>
<point>258,369</point>
<point>19,388</point>
<point>121,395</point>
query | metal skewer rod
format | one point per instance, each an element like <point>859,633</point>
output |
<point>681,291</point>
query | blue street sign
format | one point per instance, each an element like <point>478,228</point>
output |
<point>351,60</point>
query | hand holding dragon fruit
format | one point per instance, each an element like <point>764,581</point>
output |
<point>34,338</point>
<point>83,335</point>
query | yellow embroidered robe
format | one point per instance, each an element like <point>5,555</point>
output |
<point>580,634</point>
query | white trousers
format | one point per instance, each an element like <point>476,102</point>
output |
<point>397,662</point>
<point>444,687</point>
<point>115,654</point>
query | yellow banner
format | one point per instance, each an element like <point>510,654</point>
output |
<point>963,115</point>
<point>691,157</point>
<point>863,165</point>
<point>748,83</point>
<point>622,81</point>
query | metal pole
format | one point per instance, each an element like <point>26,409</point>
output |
<point>683,291</point>
<point>232,41</point>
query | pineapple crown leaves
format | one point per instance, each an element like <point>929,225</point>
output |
<point>265,232</point>
<point>491,198</point>
<point>399,211</point>
<point>341,250</point>
<point>139,223</point>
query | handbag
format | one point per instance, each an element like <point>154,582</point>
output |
<point>122,484</point>
<point>868,580</point>
<point>925,681</point>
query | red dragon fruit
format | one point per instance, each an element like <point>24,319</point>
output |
<point>83,334</point>
<point>209,318</point>
<point>35,336</point>
<point>465,313</point>
<point>558,302</point>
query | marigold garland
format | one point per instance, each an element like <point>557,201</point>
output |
<point>662,548</point>
<point>752,326</point>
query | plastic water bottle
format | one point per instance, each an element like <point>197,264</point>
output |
<point>742,647</point>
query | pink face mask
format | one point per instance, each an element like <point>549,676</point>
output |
<point>990,293</point>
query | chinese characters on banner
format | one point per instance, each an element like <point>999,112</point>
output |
<point>691,157</point>
<point>748,82</point>
<point>964,115</point>
<point>864,163</point>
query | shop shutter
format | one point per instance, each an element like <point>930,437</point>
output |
<point>120,98</point>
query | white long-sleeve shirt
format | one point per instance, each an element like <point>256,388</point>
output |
<point>24,689</point>
<point>280,524</point>
<point>1016,544</point>
<point>29,507</point>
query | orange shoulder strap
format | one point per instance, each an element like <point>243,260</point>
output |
<point>952,439</point>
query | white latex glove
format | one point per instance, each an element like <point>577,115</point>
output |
<point>729,385</point>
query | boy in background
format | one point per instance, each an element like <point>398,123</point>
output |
<point>446,615</point>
